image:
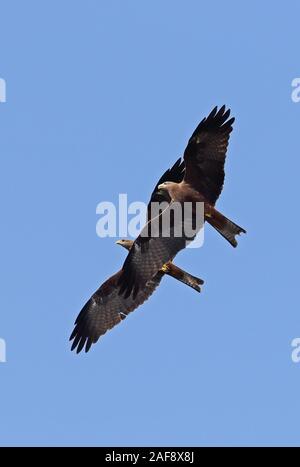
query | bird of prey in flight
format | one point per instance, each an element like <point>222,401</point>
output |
<point>106,307</point>
<point>202,182</point>
<point>198,178</point>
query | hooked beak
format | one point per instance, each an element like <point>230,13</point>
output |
<point>119,242</point>
<point>161,187</point>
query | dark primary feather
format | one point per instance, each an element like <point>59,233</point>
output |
<point>105,309</point>
<point>174,174</point>
<point>205,154</point>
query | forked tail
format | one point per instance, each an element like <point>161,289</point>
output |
<point>183,276</point>
<point>223,225</point>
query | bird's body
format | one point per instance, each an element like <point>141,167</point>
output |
<point>197,179</point>
<point>182,192</point>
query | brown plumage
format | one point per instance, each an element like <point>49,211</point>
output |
<point>106,307</point>
<point>199,178</point>
<point>202,181</point>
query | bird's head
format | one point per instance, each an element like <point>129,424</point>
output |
<point>166,186</point>
<point>167,190</point>
<point>125,243</point>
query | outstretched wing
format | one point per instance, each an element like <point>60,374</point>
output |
<point>105,309</point>
<point>205,154</point>
<point>174,174</point>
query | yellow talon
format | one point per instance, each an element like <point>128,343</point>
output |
<point>165,268</point>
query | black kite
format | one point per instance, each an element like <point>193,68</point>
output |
<point>106,307</point>
<point>202,181</point>
<point>199,178</point>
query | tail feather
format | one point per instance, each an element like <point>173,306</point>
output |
<point>224,226</point>
<point>184,277</point>
<point>192,281</point>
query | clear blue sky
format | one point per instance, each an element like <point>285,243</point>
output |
<point>101,98</point>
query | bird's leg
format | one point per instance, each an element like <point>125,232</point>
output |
<point>165,268</point>
<point>174,271</point>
